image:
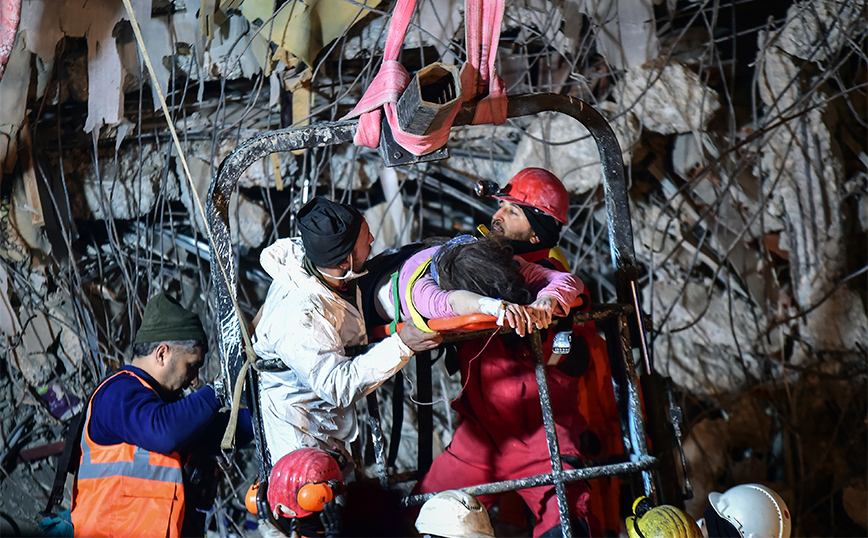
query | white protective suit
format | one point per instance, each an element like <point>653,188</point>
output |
<point>307,325</point>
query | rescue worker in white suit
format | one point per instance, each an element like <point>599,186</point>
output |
<point>310,316</point>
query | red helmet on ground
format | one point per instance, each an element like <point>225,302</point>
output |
<point>538,188</point>
<point>293,478</point>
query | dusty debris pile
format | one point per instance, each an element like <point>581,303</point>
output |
<point>742,127</point>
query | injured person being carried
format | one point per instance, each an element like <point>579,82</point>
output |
<point>463,276</point>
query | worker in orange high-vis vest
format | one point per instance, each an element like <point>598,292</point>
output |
<point>139,434</point>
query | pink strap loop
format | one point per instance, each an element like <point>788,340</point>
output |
<point>482,35</point>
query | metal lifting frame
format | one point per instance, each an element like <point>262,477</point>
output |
<point>629,329</point>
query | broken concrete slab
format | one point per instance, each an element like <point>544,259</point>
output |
<point>303,29</point>
<point>439,22</point>
<point>25,234</point>
<point>564,146</point>
<point>126,187</point>
<point>805,175</point>
<point>34,358</point>
<point>250,221</point>
<point>46,24</point>
<point>628,33</point>
<point>355,168</point>
<point>9,323</point>
<point>72,348</point>
<point>714,344</point>
<point>690,153</point>
<point>386,233</point>
<point>777,73</point>
<point>668,100</point>
<point>839,323</point>
<point>625,29</point>
<point>112,57</point>
<point>13,86</point>
<point>817,29</point>
<point>484,151</point>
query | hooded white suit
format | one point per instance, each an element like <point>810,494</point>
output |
<point>306,325</point>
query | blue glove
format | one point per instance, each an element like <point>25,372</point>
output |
<point>60,525</point>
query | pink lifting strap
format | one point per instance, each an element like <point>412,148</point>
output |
<point>482,34</point>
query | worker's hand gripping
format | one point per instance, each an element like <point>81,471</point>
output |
<point>417,340</point>
<point>541,311</point>
<point>537,315</point>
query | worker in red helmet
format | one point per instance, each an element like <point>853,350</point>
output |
<point>301,486</point>
<point>532,213</point>
<point>501,435</point>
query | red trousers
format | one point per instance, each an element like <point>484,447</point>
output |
<point>471,460</point>
<point>501,434</point>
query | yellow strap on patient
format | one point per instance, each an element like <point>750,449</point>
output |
<point>418,320</point>
<point>558,254</point>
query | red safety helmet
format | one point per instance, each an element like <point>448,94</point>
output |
<point>295,488</point>
<point>540,189</point>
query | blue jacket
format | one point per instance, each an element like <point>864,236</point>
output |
<point>124,411</point>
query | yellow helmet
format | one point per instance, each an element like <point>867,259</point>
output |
<point>664,521</point>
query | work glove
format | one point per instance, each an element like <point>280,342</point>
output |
<point>332,519</point>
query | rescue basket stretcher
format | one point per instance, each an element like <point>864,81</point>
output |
<point>623,322</point>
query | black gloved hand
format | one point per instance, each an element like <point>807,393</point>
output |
<point>332,519</point>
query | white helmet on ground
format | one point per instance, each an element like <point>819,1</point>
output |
<point>755,511</point>
<point>454,514</point>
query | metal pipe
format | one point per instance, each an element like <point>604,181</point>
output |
<point>545,401</point>
<point>568,475</point>
<point>332,133</point>
<point>225,287</point>
<point>377,437</point>
<point>256,418</point>
<point>425,413</point>
<point>638,438</point>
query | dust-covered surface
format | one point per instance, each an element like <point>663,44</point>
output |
<point>742,127</point>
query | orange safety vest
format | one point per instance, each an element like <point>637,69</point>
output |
<point>125,490</point>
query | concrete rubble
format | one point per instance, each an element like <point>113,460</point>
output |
<point>748,199</point>
<point>124,188</point>
<point>808,175</point>
<point>668,100</point>
<point>574,157</point>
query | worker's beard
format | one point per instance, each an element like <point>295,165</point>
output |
<point>523,247</point>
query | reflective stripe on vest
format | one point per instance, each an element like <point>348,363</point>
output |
<point>140,467</point>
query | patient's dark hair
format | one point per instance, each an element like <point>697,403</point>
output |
<point>486,267</point>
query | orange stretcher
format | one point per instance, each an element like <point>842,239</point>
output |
<point>459,324</point>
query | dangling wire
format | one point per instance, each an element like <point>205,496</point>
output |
<point>464,386</point>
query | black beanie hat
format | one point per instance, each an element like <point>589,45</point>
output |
<point>546,228</point>
<point>165,320</point>
<point>329,230</point>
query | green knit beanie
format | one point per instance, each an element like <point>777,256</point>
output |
<point>165,320</point>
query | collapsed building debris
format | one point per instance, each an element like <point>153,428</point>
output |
<point>742,137</point>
